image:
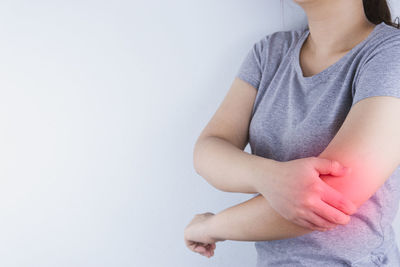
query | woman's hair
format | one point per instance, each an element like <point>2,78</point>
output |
<point>378,11</point>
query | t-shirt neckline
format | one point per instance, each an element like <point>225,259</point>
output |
<point>330,69</point>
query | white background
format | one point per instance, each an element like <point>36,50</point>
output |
<point>101,103</point>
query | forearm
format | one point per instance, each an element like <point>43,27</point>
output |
<point>252,220</point>
<point>229,168</point>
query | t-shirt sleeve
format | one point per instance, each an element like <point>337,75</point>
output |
<point>251,67</point>
<point>380,74</point>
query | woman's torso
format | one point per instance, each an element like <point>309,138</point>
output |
<point>296,117</point>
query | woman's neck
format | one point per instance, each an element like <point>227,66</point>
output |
<point>335,26</point>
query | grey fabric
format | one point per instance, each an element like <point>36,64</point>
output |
<point>296,117</point>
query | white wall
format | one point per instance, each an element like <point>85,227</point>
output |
<point>100,105</point>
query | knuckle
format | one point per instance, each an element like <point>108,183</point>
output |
<point>333,219</point>
<point>318,223</point>
<point>309,202</point>
<point>331,164</point>
<point>318,228</point>
<point>317,188</point>
<point>305,225</point>
<point>346,206</point>
<point>346,219</point>
<point>343,206</point>
<point>335,165</point>
<point>321,224</point>
<point>340,219</point>
<point>341,203</point>
<point>311,227</point>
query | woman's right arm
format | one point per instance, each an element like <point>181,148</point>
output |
<point>228,168</point>
<point>219,155</point>
<point>289,187</point>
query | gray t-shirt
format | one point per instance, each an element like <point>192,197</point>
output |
<point>296,117</point>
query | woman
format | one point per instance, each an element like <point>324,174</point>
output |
<point>310,102</point>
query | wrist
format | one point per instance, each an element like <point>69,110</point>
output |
<point>213,228</point>
<point>266,172</point>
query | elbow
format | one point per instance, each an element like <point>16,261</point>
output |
<point>198,161</point>
<point>357,186</point>
<point>353,185</point>
<point>201,171</point>
<point>200,157</point>
<point>205,167</point>
<point>196,157</point>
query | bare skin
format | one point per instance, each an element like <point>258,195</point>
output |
<point>360,143</point>
<point>335,27</point>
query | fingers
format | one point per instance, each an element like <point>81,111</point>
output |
<point>331,214</point>
<point>199,248</point>
<point>206,250</point>
<point>336,199</point>
<point>319,221</point>
<point>309,225</point>
<point>327,166</point>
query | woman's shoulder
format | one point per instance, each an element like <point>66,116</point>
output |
<point>383,48</point>
<point>283,37</point>
<point>279,42</point>
<point>390,30</point>
<point>386,38</point>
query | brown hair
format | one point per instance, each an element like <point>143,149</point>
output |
<point>378,11</point>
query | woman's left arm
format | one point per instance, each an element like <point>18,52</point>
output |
<point>368,142</point>
<point>252,220</point>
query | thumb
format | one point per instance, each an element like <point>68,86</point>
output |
<point>328,166</point>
